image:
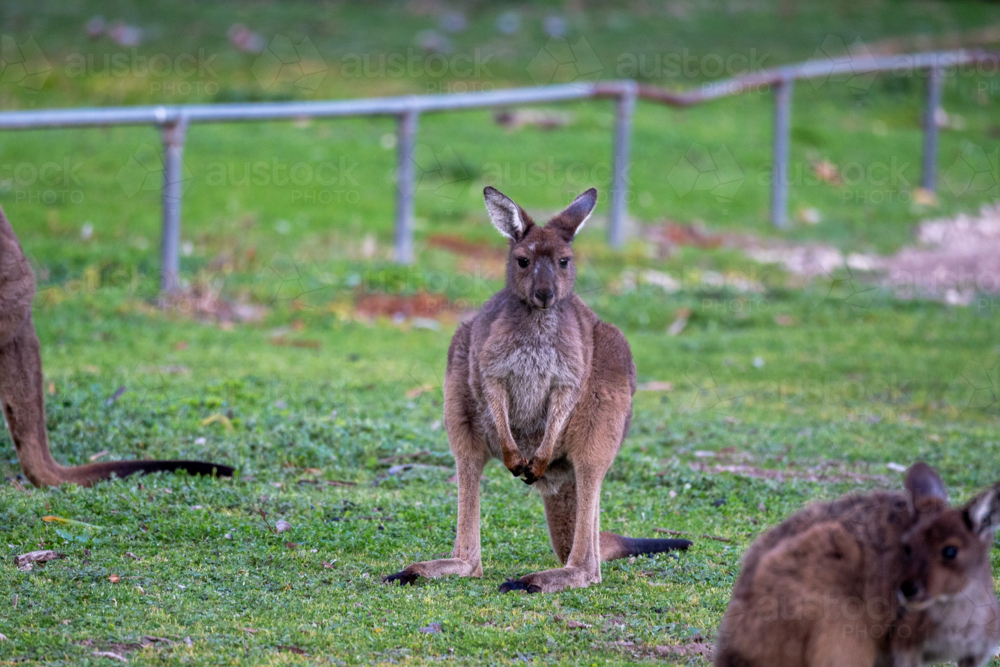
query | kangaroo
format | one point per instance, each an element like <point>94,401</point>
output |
<point>537,381</point>
<point>21,385</point>
<point>950,611</point>
<point>865,580</point>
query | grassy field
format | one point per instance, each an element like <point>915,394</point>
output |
<point>830,380</point>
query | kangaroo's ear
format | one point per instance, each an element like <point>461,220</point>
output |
<point>571,220</point>
<point>927,490</point>
<point>982,513</point>
<point>507,216</point>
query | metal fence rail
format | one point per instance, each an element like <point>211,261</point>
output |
<point>174,121</point>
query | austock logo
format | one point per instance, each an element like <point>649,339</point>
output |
<point>857,58</point>
<point>702,171</point>
<point>713,388</point>
<point>976,388</point>
<point>49,182</point>
<point>283,280</point>
<point>441,172</point>
<point>287,63</point>
<point>144,172</point>
<point>23,64</point>
<point>561,62</point>
<point>975,172</point>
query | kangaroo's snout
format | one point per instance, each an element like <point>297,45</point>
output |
<point>911,590</point>
<point>544,297</point>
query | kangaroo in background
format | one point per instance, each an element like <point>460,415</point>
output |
<point>883,579</point>
<point>21,385</point>
<point>950,610</point>
<point>537,381</point>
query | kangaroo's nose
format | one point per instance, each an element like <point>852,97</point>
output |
<point>544,296</point>
<point>910,589</point>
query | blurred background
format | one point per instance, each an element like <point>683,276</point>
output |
<point>775,365</point>
<point>286,241</point>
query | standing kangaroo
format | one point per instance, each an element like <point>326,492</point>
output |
<point>21,385</point>
<point>536,380</point>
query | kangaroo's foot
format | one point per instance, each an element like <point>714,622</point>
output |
<point>432,569</point>
<point>553,581</point>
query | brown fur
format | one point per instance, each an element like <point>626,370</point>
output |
<point>949,609</point>
<point>537,381</point>
<point>21,385</point>
<point>840,584</point>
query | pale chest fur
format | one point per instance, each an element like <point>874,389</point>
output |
<point>966,625</point>
<point>532,359</point>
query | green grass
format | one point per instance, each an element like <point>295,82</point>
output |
<point>857,380</point>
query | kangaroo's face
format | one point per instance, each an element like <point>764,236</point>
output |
<point>540,266</point>
<point>945,552</point>
<point>942,556</point>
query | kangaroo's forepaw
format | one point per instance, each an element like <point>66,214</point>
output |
<point>516,464</point>
<point>403,577</point>
<point>518,585</point>
<point>536,470</point>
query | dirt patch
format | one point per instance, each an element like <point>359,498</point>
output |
<point>671,235</point>
<point>124,648</point>
<point>953,259</point>
<point>956,259</point>
<point>462,246</point>
<point>488,261</point>
<point>206,304</point>
<point>699,649</point>
<point>816,474</point>
<point>403,307</point>
<point>545,119</point>
<point>803,259</point>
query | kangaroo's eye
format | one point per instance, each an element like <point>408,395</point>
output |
<point>907,551</point>
<point>949,553</point>
<point>564,262</point>
<point>522,262</point>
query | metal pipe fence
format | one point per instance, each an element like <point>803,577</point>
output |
<point>174,121</point>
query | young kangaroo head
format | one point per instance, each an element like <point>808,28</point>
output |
<point>540,266</point>
<point>946,551</point>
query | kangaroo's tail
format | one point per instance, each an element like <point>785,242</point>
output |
<point>21,386</point>
<point>615,546</point>
<point>88,474</point>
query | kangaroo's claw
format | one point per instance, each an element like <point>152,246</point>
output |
<point>517,466</point>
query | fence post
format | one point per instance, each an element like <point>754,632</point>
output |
<point>406,134</point>
<point>618,214</point>
<point>173,133</point>
<point>928,178</point>
<point>781,143</point>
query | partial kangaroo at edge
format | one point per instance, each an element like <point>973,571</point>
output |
<point>21,385</point>
<point>883,579</point>
<point>537,381</point>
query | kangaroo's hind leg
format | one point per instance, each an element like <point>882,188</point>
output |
<point>466,556</point>
<point>471,455</point>
<point>573,513</point>
<point>560,514</point>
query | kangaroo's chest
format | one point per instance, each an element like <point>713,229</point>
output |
<point>530,373</point>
